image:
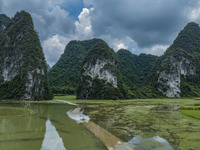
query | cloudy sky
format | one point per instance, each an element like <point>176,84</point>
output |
<point>142,26</point>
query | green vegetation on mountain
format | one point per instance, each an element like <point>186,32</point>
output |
<point>23,72</point>
<point>64,75</point>
<point>135,69</point>
<point>181,60</point>
<point>188,39</point>
<point>100,77</point>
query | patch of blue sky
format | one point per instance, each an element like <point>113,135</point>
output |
<point>74,7</point>
<point>133,48</point>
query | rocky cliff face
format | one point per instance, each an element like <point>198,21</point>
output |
<point>178,68</point>
<point>102,69</point>
<point>23,72</point>
<point>169,77</point>
<point>100,76</point>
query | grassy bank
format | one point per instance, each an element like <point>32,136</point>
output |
<point>192,113</point>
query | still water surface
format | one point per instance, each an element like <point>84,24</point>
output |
<point>48,129</point>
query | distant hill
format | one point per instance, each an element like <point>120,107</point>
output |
<point>23,72</point>
<point>64,75</point>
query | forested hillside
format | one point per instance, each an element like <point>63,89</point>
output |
<point>23,72</point>
<point>100,77</point>
<point>135,69</point>
<point>64,75</point>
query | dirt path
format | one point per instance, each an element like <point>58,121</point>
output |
<point>108,139</point>
<point>70,103</point>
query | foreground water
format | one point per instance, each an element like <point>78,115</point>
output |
<point>48,129</point>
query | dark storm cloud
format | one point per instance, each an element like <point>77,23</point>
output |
<point>55,21</point>
<point>148,22</point>
<point>49,18</point>
<point>148,26</point>
<point>1,8</point>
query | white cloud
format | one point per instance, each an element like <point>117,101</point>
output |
<point>83,25</point>
<point>48,15</point>
<point>10,7</point>
<point>156,49</point>
<point>122,24</point>
<point>54,47</point>
<point>121,46</point>
<point>54,21</point>
<point>194,14</point>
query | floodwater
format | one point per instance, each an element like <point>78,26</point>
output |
<point>153,143</point>
<point>136,126</point>
<point>48,129</point>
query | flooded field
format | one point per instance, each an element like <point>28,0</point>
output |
<point>148,124</point>
<point>151,124</point>
<point>49,128</point>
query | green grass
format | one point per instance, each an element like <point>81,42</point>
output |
<point>72,98</point>
<point>65,97</point>
<point>190,108</point>
<point>192,113</point>
<point>24,102</point>
<point>181,101</point>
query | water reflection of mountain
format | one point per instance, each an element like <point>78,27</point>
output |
<point>75,135</point>
<point>33,132</point>
<point>52,140</point>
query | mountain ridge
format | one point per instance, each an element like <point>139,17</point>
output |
<point>171,75</point>
<point>23,73</point>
